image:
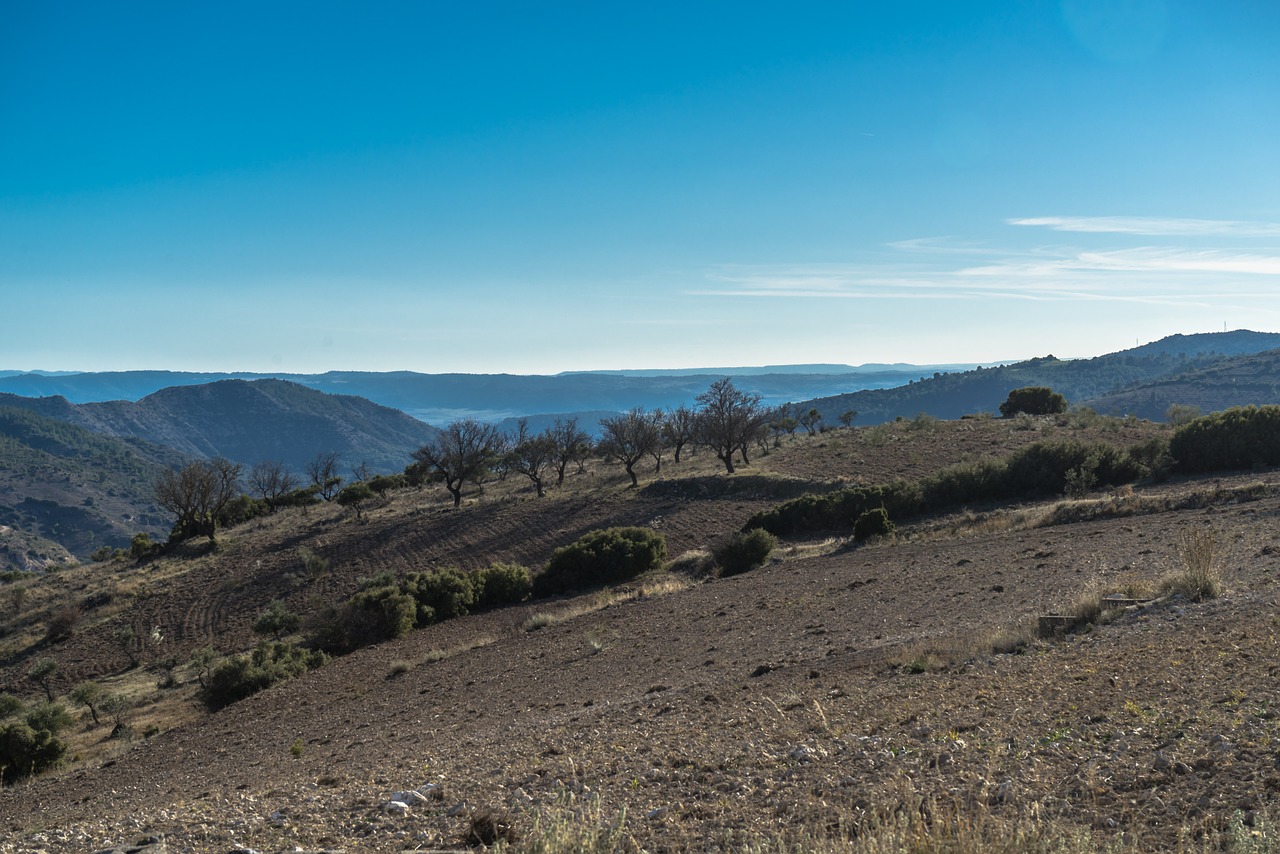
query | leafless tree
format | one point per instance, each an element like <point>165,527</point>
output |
<point>323,471</point>
<point>532,455</point>
<point>571,444</point>
<point>631,437</point>
<point>679,428</point>
<point>728,419</point>
<point>271,481</point>
<point>459,453</point>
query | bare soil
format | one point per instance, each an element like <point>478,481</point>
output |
<point>810,697</point>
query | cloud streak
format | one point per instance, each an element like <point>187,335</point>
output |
<point>949,269</point>
<point>1152,226</point>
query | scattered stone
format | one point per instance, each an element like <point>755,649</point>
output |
<point>1161,762</point>
<point>656,814</point>
<point>434,791</point>
<point>457,809</point>
<point>761,670</point>
<point>396,808</point>
<point>410,798</point>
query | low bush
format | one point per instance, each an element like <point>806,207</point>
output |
<point>277,620</point>
<point>244,675</point>
<point>873,523</point>
<point>378,612</point>
<point>441,594</point>
<point>501,584</point>
<point>1040,470</point>
<point>1033,400</point>
<point>141,547</point>
<point>601,557</point>
<point>745,551</point>
<point>1242,437</point>
<point>32,745</point>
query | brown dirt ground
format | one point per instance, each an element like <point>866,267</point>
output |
<point>768,704</point>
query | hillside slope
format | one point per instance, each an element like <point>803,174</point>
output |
<point>1239,381</point>
<point>249,422</point>
<point>827,698</point>
<point>1079,380</point>
<point>66,491</point>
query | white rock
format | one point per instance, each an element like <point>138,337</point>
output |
<point>410,798</point>
<point>399,808</point>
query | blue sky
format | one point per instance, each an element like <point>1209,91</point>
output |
<point>536,187</point>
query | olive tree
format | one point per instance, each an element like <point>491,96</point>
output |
<point>532,455</point>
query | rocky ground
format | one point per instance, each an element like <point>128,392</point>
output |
<point>837,692</point>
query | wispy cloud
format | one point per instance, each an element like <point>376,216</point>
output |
<point>948,269</point>
<point>1153,226</point>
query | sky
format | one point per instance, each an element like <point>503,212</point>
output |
<point>538,187</point>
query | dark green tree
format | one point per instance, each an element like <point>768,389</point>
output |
<point>1033,400</point>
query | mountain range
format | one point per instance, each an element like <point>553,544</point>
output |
<point>77,475</point>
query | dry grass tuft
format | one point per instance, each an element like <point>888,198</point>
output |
<point>1201,575</point>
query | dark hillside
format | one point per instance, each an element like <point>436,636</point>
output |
<point>61,483</point>
<point>1079,380</point>
<point>1239,381</point>
<point>252,421</point>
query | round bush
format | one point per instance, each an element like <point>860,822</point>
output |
<point>747,550</point>
<point>603,557</point>
<point>873,523</point>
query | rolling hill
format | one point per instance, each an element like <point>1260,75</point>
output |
<point>1239,381</point>
<point>1079,380</point>
<point>66,491</point>
<point>251,421</point>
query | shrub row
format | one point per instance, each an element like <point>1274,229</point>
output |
<point>386,607</point>
<point>1036,471</point>
<point>607,556</point>
<point>243,675</point>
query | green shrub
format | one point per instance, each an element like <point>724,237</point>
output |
<point>276,620</point>
<point>441,594</point>
<point>1033,400</point>
<point>745,551</point>
<point>25,751</point>
<point>872,523</point>
<point>501,584</point>
<point>243,675</point>
<point>241,509</point>
<point>602,557</point>
<point>9,705</point>
<point>1242,437</point>
<point>141,547</point>
<point>372,615</point>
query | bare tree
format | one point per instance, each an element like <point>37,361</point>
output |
<point>459,453</point>
<point>571,444</point>
<point>271,481</point>
<point>679,428</point>
<point>197,493</point>
<point>532,456</point>
<point>631,437</point>
<point>728,419</point>
<point>323,471</point>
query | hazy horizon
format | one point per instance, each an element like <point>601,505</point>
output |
<point>503,188</point>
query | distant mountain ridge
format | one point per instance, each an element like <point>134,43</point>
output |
<point>439,398</point>
<point>250,422</point>
<point>1252,379</point>
<point>1081,381</point>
